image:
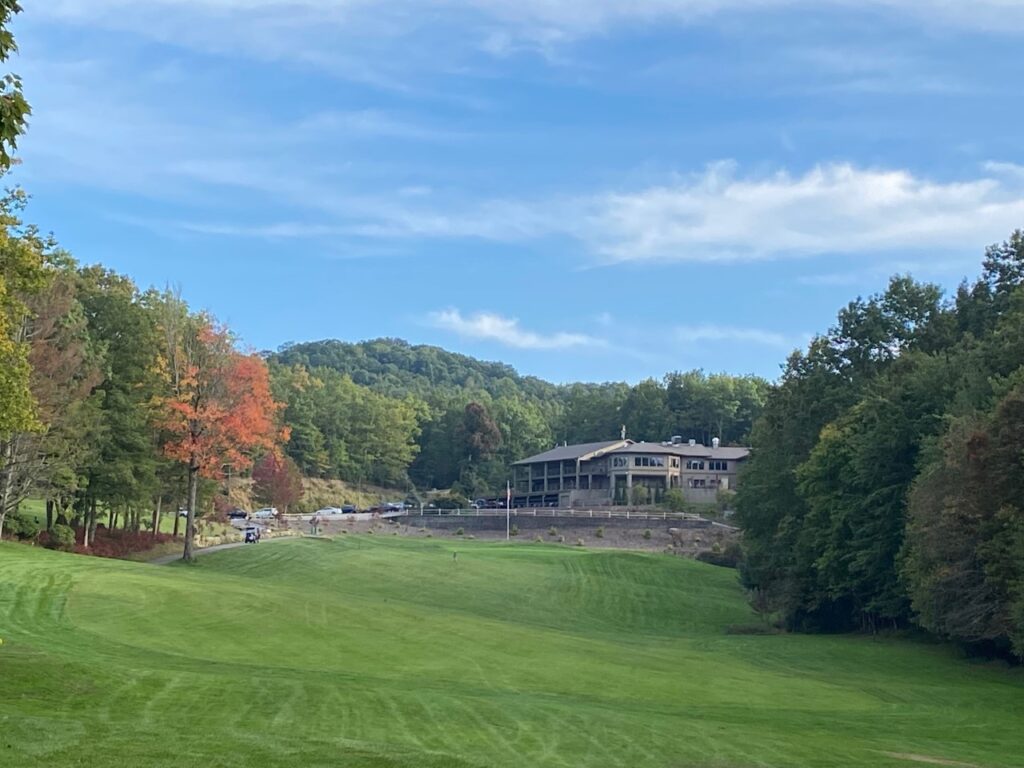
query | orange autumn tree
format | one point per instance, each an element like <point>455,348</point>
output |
<point>219,410</point>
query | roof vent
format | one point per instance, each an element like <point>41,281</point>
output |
<point>692,442</point>
<point>715,443</point>
<point>677,439</point>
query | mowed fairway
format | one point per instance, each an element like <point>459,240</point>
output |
<point>374,651</point>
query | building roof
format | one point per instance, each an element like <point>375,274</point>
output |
<point>592,450</point>
<point>686,450</point>
<point>575,452</point>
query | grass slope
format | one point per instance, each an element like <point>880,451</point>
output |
<point>371,651</point>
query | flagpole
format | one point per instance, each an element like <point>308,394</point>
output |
<point>508,509</point>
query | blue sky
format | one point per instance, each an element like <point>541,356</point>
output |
<point>586,189</point>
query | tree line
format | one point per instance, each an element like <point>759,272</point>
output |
<point>115,403</point>
<point>397,414</point>
<point>886,485</point>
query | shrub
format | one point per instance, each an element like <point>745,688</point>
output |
<point>560,539</point>
<point>647,533</point>
<point>61,537</point>
<point>552,531</point>
<point>23,527</point>
<point>729,557</point>
<point>514,530</point>
<point>471,536</point>
<point>430,535</point>
<point>459,532</point>
<point>579,542</point>
<point>599,532</point>
<point>451,501</point>
<point>538,538</point>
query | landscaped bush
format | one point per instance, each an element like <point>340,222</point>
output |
<point>22,527</point>
<point>552,531</point>
<point>647,533</point>
<point>451,501</point>
<point>599,532</point>
<point>107,543</point>
<point>514,530</point>
<point>560,539</point>
<point>61,537</point>
<point>459,532</point>
<point>730,557</point>
<point>538,538</point>
<point>579,542</point>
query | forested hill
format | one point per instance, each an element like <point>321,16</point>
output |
<point>397,368</point>
<point>391,412</point>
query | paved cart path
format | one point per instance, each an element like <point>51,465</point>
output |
<point>167,559</point>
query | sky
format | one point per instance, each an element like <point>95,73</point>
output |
<point>585,189</point>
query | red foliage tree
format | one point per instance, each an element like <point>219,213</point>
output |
<point>277,481</point>
<point>219,410</point>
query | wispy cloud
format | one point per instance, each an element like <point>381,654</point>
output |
<point>506,330</point>
<point>757,336</point>
<point>717,216</point>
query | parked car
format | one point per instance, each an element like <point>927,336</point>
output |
<point>327,511</point>
<point>266,512</point>
<point>182,513</point>
<point>479,504</point>
<point>238,514</point>
<point>349,509</point>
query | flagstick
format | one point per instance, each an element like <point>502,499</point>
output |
<point>508,509</point>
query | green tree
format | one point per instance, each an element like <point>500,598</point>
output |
<point>14,109</point>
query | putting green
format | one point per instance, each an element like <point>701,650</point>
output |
<point>375,651</point>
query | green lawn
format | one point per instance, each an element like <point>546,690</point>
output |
<point>374,651</point>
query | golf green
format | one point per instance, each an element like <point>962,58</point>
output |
<point>379,651</point>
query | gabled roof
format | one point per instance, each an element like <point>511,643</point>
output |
<point>580,452</point>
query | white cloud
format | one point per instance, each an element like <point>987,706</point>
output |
<point>505,330</point>
<point>836,208</point>
<point>704,333</point>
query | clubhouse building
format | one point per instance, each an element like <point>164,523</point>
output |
<point>601,474</point>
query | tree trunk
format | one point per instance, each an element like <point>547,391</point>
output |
<point>190,521</point>
<point>91,521</point>
<point>85,526</point>
<point>156,516</point>
<point>7,486</point>
<point>49,514</point>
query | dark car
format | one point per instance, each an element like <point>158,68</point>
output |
<point>349,509</point>
<point>238,514</point>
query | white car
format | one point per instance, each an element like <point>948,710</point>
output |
<point>266,512</point>
<point>328,511</point>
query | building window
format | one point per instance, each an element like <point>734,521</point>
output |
<point>620,461</point>
<point>694,464</point>
<point>718,466</point>
<point>649,461</point>
<point>697,482</point>
<point>675,463</point>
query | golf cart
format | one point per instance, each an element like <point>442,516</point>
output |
<point>252,534</point>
